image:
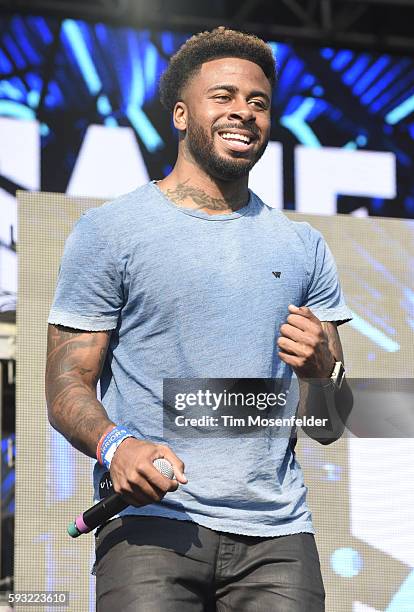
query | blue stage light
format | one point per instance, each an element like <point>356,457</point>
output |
<point>346,562</point>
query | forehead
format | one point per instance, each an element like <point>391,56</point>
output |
<point>231,70</point>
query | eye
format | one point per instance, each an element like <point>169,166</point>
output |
<point>223,97</point>
<point>259,103</point>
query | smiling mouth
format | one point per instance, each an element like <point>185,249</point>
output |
<point>237,141</point>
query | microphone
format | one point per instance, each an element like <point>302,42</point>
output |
<point>111,504</point>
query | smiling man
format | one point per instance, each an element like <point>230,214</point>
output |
<point>221,109</point>
<point>194,277</point>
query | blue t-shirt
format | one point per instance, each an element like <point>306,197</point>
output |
<point>192,295</point>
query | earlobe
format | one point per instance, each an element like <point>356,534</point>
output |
<point>180,116</point>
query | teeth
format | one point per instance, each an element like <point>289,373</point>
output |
<point>232,136</point>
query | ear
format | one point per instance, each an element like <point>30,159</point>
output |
<point>180,114</point>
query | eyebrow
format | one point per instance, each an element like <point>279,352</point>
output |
<point>233,89</point>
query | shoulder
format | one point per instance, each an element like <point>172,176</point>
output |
<point>121,222</point>
<point>114,213</point>
<point>306,233</point>
<point>300,231</point>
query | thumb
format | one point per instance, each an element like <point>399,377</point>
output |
<point>179,474</point>
<point>178,467</point>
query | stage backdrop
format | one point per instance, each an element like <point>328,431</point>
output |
<point>360,490</point>
<point>76,97</point>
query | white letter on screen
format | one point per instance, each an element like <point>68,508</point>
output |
<point>323,174</point>
<point>109,163</point>
<point>19,162</point>
<point>266,178</point>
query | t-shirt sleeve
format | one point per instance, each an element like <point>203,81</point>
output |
<point>324,296</point>
<point>89,294</point>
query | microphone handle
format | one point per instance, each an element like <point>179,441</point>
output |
<point>97,514</point>
<point>104,510</point>
<point>110,505</point>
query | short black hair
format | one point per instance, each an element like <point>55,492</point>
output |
<point>205,46</point>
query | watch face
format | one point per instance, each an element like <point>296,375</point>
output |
<point>338,374</point>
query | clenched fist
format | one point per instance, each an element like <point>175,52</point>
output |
<point>304,345</point>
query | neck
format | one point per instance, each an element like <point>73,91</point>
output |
<point>190,186</point>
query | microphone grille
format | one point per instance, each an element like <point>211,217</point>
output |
<point>164,467</point>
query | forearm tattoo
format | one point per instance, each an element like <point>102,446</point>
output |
<point>74,364</point>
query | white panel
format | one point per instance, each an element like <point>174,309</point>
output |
<point>323,174</point>
<point>360,607</point>
<point>8,270</point>
<point>382,496</point>
<point>109,163</point>
<point>266,178</point>
<point>20,152</point>
<point>19,162</point>
<point>361,212</point>
<point>8,216</point>
<point>7,347</point>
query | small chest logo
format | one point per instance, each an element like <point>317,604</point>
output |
<point>276,274</point>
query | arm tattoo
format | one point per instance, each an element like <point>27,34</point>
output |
<point>201,199</point>
<point>74,364</point>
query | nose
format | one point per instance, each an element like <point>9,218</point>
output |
<point>242,111</point>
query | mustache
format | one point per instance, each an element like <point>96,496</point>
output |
<point>231,126</point>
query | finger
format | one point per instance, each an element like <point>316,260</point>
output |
<point>178,465</point>
<point>146,472</point>
<point>139,498</point>
<point>296,320</point>
<point>306,338</point>
<point>138,492</point>
<point>160,481</point>
<point>291,347</point>
<point>136,500</point>
<point>290,360</point>
<point>302,311</point>
<point>148,489</point>
<point>303,323</point>
<point>290,331</point>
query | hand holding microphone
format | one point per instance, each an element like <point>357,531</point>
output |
<point>135,477</point>
<point>141,473</point>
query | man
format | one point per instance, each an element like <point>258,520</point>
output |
<point>194,277</point>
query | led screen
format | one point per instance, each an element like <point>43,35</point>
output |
<point>77,97</point>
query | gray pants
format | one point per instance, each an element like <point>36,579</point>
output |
<point>146,564</point>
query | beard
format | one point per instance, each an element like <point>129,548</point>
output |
<point>201,147</point>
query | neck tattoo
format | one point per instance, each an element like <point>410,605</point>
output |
<point>183,192</point>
